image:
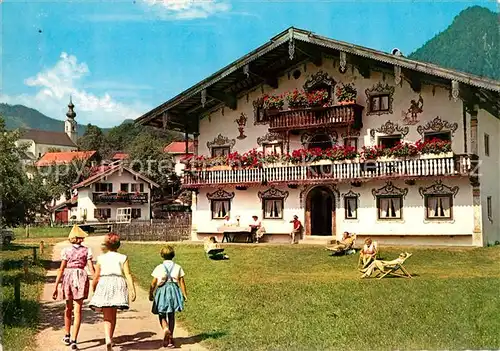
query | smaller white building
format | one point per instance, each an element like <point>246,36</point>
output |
<point>101,195</point>
<point>177,149</point>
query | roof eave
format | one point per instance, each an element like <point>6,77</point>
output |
<point>311,38</point>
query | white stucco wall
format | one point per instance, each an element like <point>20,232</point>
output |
<point>489,175</point>
<point>246,203</point>
<point>85,196</point>
<point>40,149</point>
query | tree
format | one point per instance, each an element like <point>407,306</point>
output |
<point>120,137</point>
<point>94,140</point>
<point>54,149</point>
<point>19,196</point>
<point>147,157</point>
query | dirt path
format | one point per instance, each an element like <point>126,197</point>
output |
<point>137,328</point>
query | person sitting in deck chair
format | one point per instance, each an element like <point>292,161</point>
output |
<point>342,246</point>
<point>368,253</point>
<point>381,266</point>
<point>213,249</point>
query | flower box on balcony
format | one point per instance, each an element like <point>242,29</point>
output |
<point>321,163</point>
<point>440,155</point>
<point>220,168</point>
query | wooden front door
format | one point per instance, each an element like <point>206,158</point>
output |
<point>320,212</point>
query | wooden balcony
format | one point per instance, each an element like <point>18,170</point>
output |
<point>305,118</point>
<point>328,171</point>
<point>129,198</point>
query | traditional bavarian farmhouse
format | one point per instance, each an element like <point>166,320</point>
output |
<point>373,143</point>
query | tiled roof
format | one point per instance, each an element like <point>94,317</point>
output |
<point>47,137</point>
<point>50,158</point>
<point>179,147</point>
<point>120,156</point>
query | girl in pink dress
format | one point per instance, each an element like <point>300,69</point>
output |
<point>75,282</point>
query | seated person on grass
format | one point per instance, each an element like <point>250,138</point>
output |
<point>369,252</point>
<point>379,265</point>
<point>213,249</point>
<point>340,246</point>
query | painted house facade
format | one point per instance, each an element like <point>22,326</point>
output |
<point>409,156</point>
<point>100,196</point>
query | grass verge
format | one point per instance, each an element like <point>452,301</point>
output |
<point>298,297</point>
<point>41,232</point>
<point>20,322</point>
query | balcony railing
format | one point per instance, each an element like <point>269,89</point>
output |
<point>316,117</point>
<point>338,171</point>
<point>130,198</point>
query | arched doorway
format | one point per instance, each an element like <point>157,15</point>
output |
<point>321,141</point>
<point>320,212</point>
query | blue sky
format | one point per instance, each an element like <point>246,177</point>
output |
<point>121,58</point>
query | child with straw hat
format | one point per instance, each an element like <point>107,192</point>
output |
<point>75,282</point>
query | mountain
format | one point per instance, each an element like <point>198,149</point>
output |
<point>470,44</point>
<point>19,116</point>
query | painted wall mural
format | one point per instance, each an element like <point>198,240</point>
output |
<point>410,117</point>
<point>242,122</point>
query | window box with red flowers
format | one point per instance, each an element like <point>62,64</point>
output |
<point>318,98</point>
<point>272,103</point>
<point>346,94</point>
<point>434,148</point>
<point>296,99</point>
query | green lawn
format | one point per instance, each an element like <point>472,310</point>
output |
<point>20,322</point>
<point>42,232</point>
<point>298,297</point>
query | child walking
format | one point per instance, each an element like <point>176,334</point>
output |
<point>112,275</point>
<point>75,282</point>
<point>166,294</point>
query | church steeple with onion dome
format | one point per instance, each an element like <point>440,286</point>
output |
<point>70,123</point>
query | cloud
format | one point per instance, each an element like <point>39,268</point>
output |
<point>167,10</point>
<point>189,9</point>
<point>55,85</point>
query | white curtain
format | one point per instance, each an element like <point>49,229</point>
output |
<point>384,102</point>
<point>390,207</point>
<point>273,208</point>
<point>438,207</point>
<point>351,207</point>
<point>220,208</point>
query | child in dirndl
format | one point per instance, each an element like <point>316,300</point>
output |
<point>168,293</point>
<point>75,282</point>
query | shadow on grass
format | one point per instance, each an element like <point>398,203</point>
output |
<point>23,315</point>
<point>137,341</point>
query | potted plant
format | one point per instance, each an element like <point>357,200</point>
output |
<point>272,103</point>
<point>346,94</point>
<point>434,148</point>
<point>318,98</point>
<point>296,99</point>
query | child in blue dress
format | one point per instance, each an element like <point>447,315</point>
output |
<point>168,293</point>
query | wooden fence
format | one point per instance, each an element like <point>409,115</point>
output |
<point>176,227</point>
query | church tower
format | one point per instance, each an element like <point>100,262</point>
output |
<point>70,123</point>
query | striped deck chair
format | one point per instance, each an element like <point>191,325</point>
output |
<point>396,270</point>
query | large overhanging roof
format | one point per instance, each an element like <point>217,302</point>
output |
<point>295,46</point>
